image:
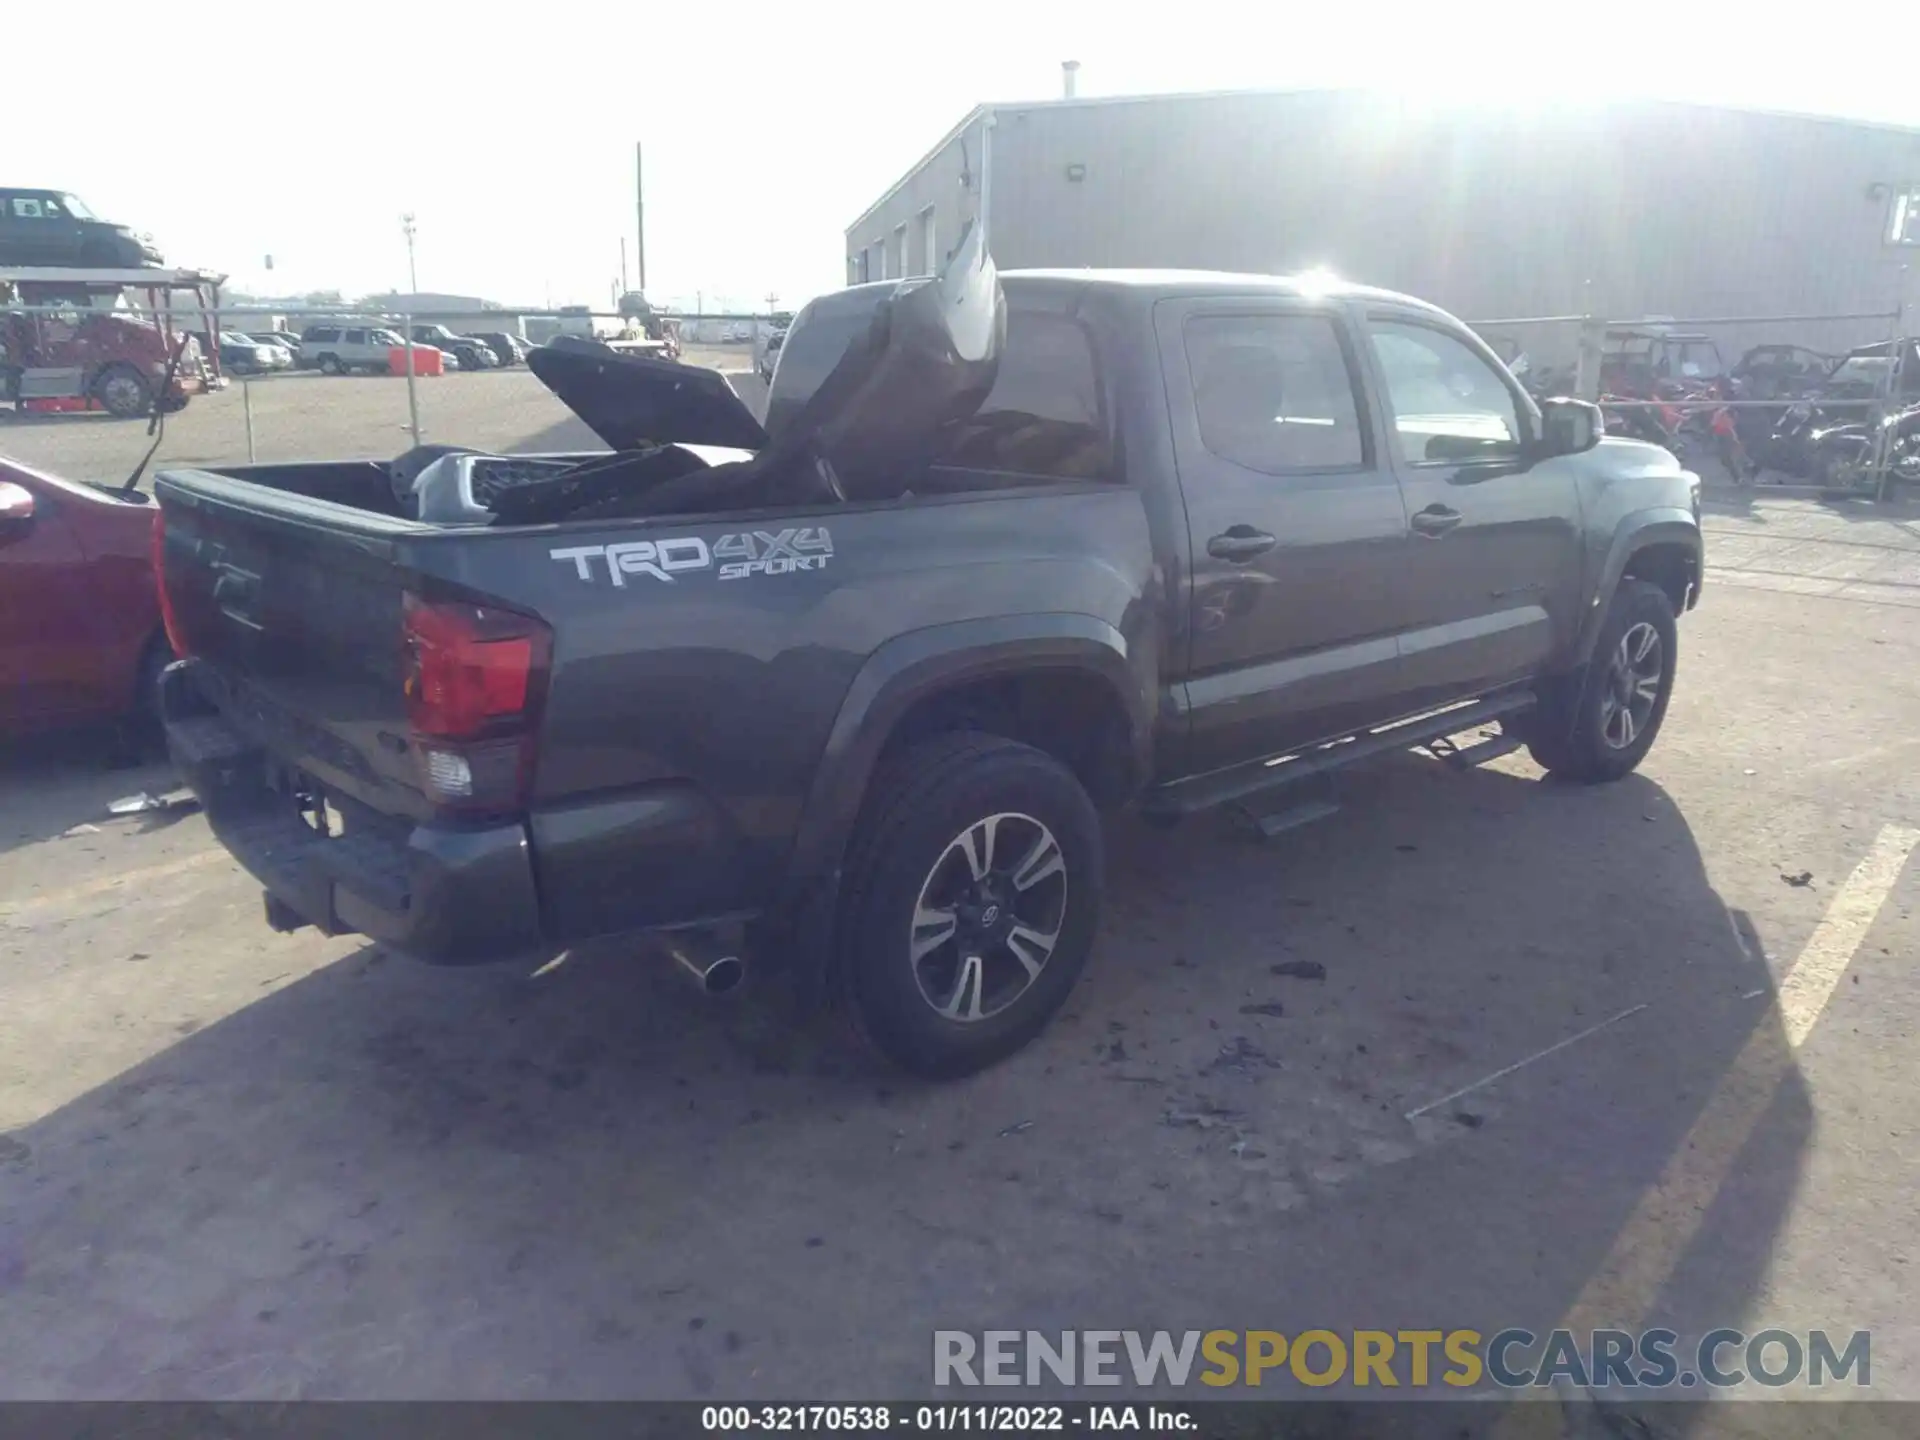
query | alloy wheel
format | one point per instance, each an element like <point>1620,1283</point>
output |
<point>123,395</point>
<point>988,917</point>
<point>1632,686</point>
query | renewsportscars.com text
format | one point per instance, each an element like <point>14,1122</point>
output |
<point>1402,1359</point>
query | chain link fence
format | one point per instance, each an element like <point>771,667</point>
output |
<point>1825,401</point>
<point>292,383</point>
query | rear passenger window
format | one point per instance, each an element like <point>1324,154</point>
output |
<point>356,337</point>
<point>325,334</point>
<point>1273,392</point>
<point>1044,415</point>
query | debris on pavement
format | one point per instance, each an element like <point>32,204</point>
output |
<point>147,803</point>
<point>1269,1007</point>
<point>79,830</point>
<point>1016,1129</point>
<point>1800,881</point>
<point>1240,1057</point>
<point>1206,1116</point>
<point>1299,969</point>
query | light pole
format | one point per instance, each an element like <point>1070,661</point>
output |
<point>406,229</point>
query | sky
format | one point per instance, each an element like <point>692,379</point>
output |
<point>508,130</point>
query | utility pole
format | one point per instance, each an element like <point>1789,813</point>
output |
<point>640,214</point>
<point>406,229</point>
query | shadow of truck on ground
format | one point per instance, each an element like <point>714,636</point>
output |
<point>390,1181</point>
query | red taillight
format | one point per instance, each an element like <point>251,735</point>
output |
<point>159,553</point>
<point>475,676</point>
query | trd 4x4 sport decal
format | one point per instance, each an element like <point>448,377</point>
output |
<point>737,556</point>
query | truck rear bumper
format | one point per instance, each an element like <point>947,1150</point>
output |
<point>443,895</point>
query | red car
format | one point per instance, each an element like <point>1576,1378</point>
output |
<point>80,630</point>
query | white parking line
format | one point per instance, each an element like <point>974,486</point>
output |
<point>1650,1245</point>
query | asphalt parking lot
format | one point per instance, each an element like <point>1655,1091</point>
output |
<point>235,1164</point>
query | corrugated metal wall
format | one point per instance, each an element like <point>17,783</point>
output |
<point>948,182</point>
<point>1620,211</point>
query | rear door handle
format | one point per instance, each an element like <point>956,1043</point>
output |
<point>1436,520</point>
<point>1240,544</point>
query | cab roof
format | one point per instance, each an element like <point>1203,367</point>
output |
<point>1163,284</point>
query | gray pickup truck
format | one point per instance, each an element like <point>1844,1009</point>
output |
<point>851,687</point>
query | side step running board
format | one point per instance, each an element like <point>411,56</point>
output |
<point>1278,822</point>
<point>1466,757</point>
<point>1226,786</point>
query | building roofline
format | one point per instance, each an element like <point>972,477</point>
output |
<point>921,164</point>
<point>1080,102</point>
<point>1681,102</point>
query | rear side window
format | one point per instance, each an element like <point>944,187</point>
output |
<point>326,334</point>
<point>1274,392</point>
<point>1044,416</point>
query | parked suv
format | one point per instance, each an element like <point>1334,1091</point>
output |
<point>244,355</point>
<point>343,349</point>
<point>471,351</point>
<point>507,349</point>
<point>51,227</point>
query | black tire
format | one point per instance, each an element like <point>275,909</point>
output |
<point>922,808</point>
<point>1577,733</point>
<point>123,392</point>
<point>329,365</point>
<point>146,696</point>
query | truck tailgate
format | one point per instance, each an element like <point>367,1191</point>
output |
<point>295,606</point>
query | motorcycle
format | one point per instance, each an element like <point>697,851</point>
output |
<point>1652,422</point>
<point>1711,424</point>
<point>1809,439</point>
<point>1848,457</point>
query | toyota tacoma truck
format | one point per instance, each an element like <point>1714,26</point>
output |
<point>851,686</point>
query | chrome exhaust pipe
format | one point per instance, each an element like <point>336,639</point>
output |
<point>713,967</point>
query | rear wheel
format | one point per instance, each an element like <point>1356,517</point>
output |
<point>1599,723</point>
<point>123,392</point>
<point>972,897</point>
<point>329,365</point>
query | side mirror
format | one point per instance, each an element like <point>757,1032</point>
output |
<point>1570,427</point>
<point>16,508</point>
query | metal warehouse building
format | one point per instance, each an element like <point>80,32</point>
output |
<point>1615,211</point>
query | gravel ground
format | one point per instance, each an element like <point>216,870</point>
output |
<point>235,1164</point>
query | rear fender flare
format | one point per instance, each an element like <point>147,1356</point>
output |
<point>1636,532</point>
<point>911,667</point>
